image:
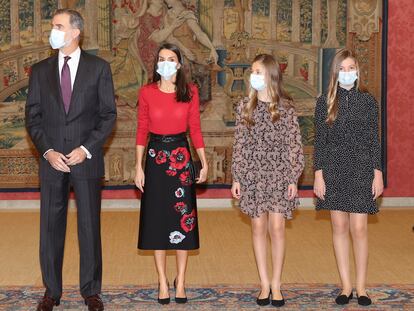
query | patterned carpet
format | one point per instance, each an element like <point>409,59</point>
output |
<point>220,297</point>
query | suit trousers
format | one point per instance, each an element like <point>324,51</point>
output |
<point>53,218</point>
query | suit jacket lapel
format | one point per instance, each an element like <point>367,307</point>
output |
<point>54,81</point>
<point>81,76</point>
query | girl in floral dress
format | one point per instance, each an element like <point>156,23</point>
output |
<point>168,218</point>
<point>267,163</point>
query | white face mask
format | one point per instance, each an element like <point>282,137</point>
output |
<point>257,82</point>
<point>347,77</point>
<point>166,69</point>
<point>57,39</point>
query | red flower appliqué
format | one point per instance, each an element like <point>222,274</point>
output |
<point>161,157</point>
<point>171,172</point>
<point>179,158</point>
<point>180,207</point>
<point>185,178</point>
<point>188,221</point>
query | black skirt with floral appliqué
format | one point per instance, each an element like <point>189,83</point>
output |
<point>168,216</point>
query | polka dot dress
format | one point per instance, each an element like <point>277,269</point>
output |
<point>348,152</point>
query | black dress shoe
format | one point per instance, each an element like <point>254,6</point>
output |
<point>263,301</point>
<point>94,303</point>
<point>163,301</point>
<point>364,300</point>
<point>47,303</point>
<point>343,299</point>
<point>179,299</point>
<point>278,303</point>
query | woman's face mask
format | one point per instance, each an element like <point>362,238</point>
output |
<point>166,69</point>
<point>257,81</point>
<point>347,77</point>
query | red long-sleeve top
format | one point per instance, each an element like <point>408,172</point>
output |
<point>160,113</point>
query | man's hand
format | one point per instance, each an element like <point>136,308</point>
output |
<point>57,161</point>
<point>77,156</point>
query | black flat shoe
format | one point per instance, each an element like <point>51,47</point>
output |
<point>278,303</point>
<point>163,301</point>
<point>364,300</point>
<point>179,299</point>
<point>263,301</point>
<point>343,299</point>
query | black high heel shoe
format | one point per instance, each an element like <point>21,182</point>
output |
<point>179,299</point>
<point>263,301</point>
<point>343,299</point>
<point>364,300</point>
<point>163,301</point>
<point>278,303</point>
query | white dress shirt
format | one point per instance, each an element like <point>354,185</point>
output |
<point>73,64</point>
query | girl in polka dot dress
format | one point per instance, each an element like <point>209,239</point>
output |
<point>348,172</point>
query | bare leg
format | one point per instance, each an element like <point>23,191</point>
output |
<point>277,242</point>
<point>259,235</point>
<point>359,232</point>
<point>182,257</point>
<point>160,257</point>
<point>340,232</point>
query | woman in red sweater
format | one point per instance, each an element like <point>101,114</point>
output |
<point>168,220</point>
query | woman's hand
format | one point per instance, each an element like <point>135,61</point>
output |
<point>235,190</point>
<point>203,175</point>
<point>377,184</point>
<point>140,179</point>
<point>292,191</point>
<point>319,187</point>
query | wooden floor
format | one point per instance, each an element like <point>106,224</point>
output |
<point>225,257</point>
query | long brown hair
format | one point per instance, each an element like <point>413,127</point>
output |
<point>275,90</point>
<point>182,93</point>
<point>332,96</point>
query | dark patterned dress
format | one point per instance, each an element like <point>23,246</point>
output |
<point>348,152</point>
<point>267,157</point>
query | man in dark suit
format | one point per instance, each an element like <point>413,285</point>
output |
<point>70,112</point>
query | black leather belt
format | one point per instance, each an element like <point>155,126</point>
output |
<point>168,138</point>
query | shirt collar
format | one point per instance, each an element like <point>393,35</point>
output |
<point>75,55</point>
<point>345,91</point>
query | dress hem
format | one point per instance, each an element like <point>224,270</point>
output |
<point>167,249</point>
<point>287,214</point>
<point>347,211</point>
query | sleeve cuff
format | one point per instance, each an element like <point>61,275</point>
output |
<point>44,155</point>
<point>88,154</point>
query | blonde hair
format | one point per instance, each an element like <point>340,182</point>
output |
<point>332,96</point>
<point>275,90</point>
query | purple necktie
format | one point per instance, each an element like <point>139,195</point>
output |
<point>65,84</point>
